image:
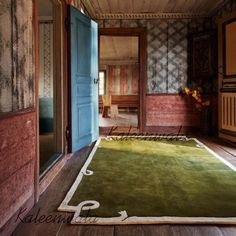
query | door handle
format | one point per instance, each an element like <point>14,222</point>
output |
<point>95,81</point>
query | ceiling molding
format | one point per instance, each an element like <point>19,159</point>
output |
<point>137,16</point>
<point>218,7</point>
<point>75,3</point>
<point>89,8</point>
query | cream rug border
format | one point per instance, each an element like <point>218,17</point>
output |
<point>124,219</point>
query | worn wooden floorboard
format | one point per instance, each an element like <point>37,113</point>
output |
<point>56,192</point>
<point>77,230</point>
<point>160,230</point>
<point>184,230</point>
<point>52,197</point>
<point>195,230</point>
<point>228,230</point>
<point>220,150</point>
<point>129,230</point>
<point>210,231</point>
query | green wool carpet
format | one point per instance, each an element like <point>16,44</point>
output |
<point>153,178</point>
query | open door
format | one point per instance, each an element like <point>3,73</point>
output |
<point>84,80</point>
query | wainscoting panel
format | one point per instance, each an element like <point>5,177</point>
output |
<point>171,110</point>
<point>17,162</point>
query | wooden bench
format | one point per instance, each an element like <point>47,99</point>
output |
<point>126,102</point>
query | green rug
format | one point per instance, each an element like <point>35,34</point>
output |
<point>153,181</point>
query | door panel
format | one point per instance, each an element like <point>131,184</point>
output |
<point>84,86</point>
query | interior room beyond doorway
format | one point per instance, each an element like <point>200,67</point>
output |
<point>119,81</point>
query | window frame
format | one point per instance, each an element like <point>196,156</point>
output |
<point>104,84</point>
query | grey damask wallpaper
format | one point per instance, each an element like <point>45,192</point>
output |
<point>167,49</point>
<point>157,51</point>
<point>167,55</point>
<point>16,55</point>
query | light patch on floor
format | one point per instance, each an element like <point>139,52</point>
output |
<point>125,119</point>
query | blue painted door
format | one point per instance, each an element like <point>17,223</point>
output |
<point>84,80</point>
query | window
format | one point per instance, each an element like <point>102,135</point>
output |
<point>102,82</point>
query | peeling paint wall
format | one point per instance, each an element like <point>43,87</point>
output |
<point>17,130</point>
<point>16,55</point>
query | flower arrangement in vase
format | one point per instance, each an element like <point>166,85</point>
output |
<point>202,105</point>
<point>195,93</point>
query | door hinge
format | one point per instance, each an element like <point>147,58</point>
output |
<point>67,24</point>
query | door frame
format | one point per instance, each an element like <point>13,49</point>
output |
<point>142,35</point>
<point>60,70</point>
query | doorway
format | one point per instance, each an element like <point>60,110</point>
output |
<point>50,89</point>
<point>122,76</point>
<point>118,81</point>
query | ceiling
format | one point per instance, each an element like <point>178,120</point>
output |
<point>118,50</point>
<point>152,6</point>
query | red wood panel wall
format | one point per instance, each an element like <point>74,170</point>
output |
<point>123,79</point>
<point>17,160</point>
<point>175,110</point>
<point>170,110</point>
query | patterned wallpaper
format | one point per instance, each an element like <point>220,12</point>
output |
<point>122,79</point>
<point>167,55</point>
<point>167,49</point>
<point>16,55</point>
<point>46,59</point>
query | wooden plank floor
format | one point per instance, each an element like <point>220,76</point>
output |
<point>56,192</point>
